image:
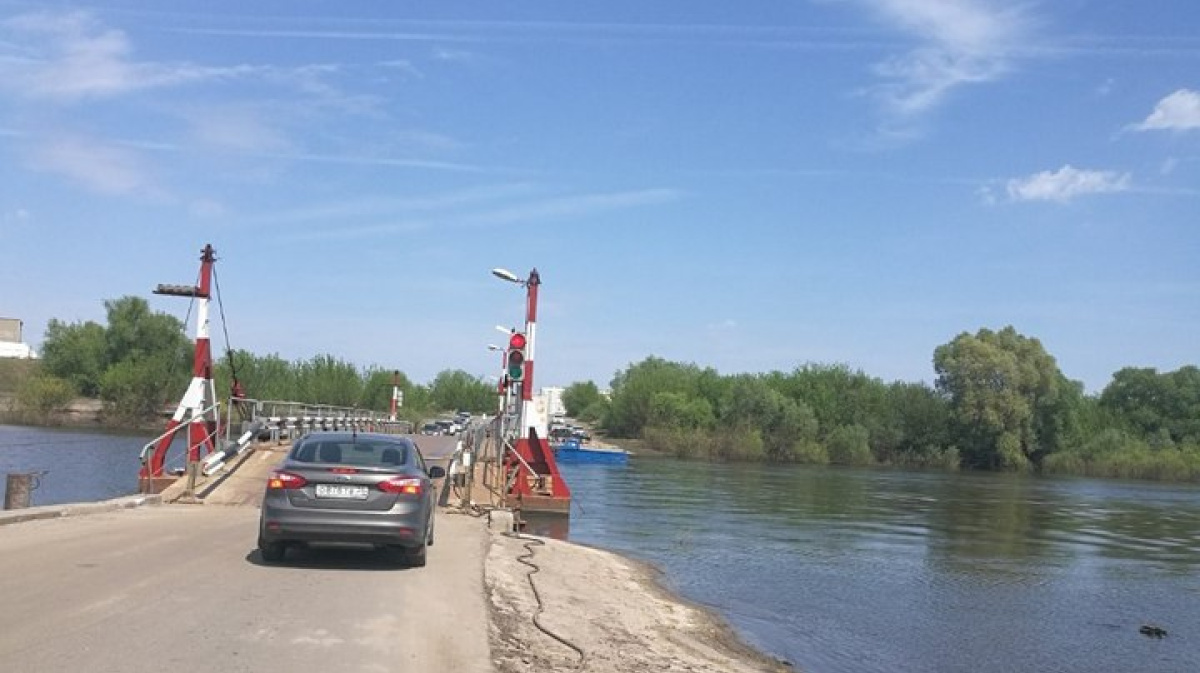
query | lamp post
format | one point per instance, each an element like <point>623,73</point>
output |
<point>531,296</point>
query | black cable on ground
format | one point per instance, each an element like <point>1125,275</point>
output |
<point>526,559</point>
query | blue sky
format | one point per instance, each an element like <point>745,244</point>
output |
<point>749,186</point>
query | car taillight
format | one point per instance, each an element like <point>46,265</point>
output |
<point>285,480</point>
<point>401,485</point>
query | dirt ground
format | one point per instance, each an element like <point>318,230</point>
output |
<point>611,610</point>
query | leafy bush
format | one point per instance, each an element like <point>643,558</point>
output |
<point>849,445</point>
<point>40,396</point>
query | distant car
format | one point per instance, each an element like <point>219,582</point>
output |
<point>431,429</point>
<point>358,488</point>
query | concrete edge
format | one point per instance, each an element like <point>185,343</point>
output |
<point>76,509</point>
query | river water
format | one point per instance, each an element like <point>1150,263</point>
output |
<point>77,466</point>
<point>853,571</point>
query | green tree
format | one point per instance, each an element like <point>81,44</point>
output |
<point>1004,391</point>
<point>77,353</point>
<point>633,389</point>
<point>676,410</point>
<point>579,396</point>
<point>135,332</point>
<point>326,379</point>
<point>137,389</point>
<point>1146,402</point>
<point>750,403</point>
<point>917,419</point>
<point>266,377</point>
<point>458,390</point>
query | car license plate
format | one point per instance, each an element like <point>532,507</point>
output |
<point>342,491</point>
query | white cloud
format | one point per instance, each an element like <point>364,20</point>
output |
<point>71,56</point>
<point>960,42</point>
<point>1179,111</point>
<point>403,66</point>
<point>238,128</point>
<point>102,168</point>
<point>1065,184</point>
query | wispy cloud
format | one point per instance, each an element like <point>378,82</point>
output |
<point>959,42</point>
<point>244,128</point>
<point>71,56</point>
<point>374,208</point>
<point>107,169</point>
<point>1066,184</point>
<point>1179,111</point>
<point>575,206</point>
<point>402,66</point>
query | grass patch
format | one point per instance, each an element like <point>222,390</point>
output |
<point>14,372</point>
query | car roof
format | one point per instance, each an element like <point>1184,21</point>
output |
<point>342,436</point>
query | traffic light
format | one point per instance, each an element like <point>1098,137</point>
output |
<point>515,359</point>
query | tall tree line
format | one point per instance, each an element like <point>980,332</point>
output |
<point>140,361</point>
<point>999,402</point>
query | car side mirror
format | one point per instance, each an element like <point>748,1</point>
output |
<point>437,472</point>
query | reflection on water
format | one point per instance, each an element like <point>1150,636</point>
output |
<point>864,570</point>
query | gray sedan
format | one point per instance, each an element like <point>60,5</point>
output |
<point>343,487</point>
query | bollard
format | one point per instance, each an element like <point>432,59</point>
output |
<point>18,489</point>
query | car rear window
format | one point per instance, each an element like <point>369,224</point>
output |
<point>358,453</point>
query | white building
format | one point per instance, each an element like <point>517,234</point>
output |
<point>11,345</point>
<point>546,405</point>
<point>554,403</point>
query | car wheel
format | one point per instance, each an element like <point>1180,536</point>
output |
<point>417,556</point>
<point>272,552</point>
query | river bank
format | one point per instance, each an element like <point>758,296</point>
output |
<point>82,413</point>
<point>607,614</point>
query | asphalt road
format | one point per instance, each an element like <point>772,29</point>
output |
<point>181,588</point>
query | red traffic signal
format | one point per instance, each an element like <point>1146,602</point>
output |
<point>515,358</point>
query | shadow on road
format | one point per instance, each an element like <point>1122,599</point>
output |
<point>335,558</point>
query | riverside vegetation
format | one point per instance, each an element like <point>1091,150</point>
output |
<point>999,401</point>
<point>140,362</point>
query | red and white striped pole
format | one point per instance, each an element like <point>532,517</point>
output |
<point>200,397</point>
<point>531,297</point>
<point>202,430</point>
<point>395,394</point>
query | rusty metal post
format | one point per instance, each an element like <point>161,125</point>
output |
<point>18,490</point>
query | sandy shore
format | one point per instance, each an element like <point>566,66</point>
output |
<point>612,610</point>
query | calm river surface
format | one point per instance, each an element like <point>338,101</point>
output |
<point>849,571</point>
<point>79,466</point>
<point>853,571</point>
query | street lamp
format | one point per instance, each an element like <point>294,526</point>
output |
<point>505,274</point>
<point>531,293</point>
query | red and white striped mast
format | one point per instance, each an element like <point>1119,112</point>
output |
<point>396,394</point>
<point>198,403</point>
<point>531,297</point>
